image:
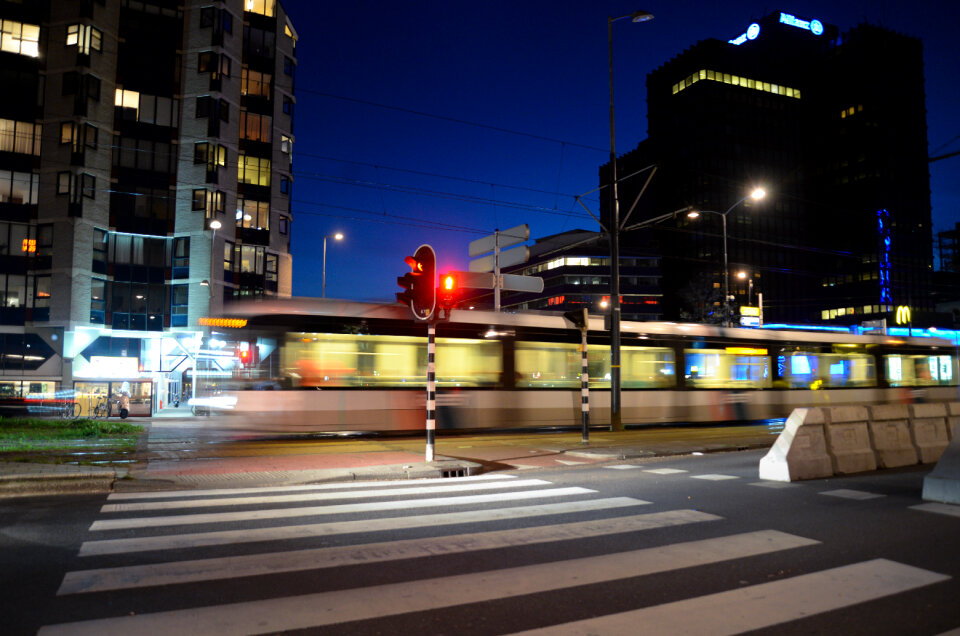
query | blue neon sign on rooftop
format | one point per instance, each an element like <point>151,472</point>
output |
<point>813,26</point>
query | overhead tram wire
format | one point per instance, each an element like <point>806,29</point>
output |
<point>454,120</point>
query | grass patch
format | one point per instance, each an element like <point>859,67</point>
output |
<point>28,434</point>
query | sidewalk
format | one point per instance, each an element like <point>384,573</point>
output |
<point>165,461</point>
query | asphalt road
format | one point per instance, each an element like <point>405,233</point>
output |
<point>689,545</point>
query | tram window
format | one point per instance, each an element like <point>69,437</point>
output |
<point>557,365</point>
<point>822,370</point>
<point>344,360</point>
<point>721,369</point>
<point>920,370</point>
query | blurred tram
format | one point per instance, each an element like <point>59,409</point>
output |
<point>311,365</point>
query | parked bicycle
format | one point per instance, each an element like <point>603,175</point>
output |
<point>101,409</point>
<point>69,410</point>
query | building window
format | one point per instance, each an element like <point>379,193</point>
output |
<point>181,257</point>
<point>179,304</point>
<point>286,184</point>
<point>64,180</point>
<point>286,144</point>
<point>212,202</point>
<point>19,187</point>
<point>289,66</point>
<point>271,268</point>
<point>288,105</point>
<point>263,7</point>
<point>255,83</point>
<point>253,214</point>
<point>88,185</point>
<point>41,292</point>
<point>148,109</point>
<point>250,258</point>
<point>253,170</point>
<point>98,300</point>
<point>216,64</point>
<point>20,136</point>
<point>85,37</point>
<point>208,16</point>
<point>284,225</point>
<point>211,154</point>
<point>20,38</point>
<point>255,127</point>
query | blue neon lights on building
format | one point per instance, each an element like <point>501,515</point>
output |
<point>883,230</point>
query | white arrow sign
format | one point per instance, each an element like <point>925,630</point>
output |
<point>506,238</point>
<point>515,256</point>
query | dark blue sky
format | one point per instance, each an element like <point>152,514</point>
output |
<point>438,122</point>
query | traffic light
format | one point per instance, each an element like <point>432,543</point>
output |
<point>449,290</point>
<point>419,286</point>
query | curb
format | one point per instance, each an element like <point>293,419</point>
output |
<point>57,483</point>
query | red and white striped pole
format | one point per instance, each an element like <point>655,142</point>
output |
<point>584,387</point>
<point>431,389</point>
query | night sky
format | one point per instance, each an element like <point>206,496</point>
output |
<point>439,122</point>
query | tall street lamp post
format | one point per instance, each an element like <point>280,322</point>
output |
<point>616,423</point>
<point>756,195</point>
<point>214,226</point>
<point>323,285</point>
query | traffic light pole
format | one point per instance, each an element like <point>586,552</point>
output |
<point>431,389</point>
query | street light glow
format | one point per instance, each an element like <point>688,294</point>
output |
<point>758,194</point>
<point>338,236</point>
<point>215,225</point>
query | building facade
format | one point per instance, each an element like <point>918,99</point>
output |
<point>811,115</point>
<point>145,178</point>
<point>575,268</point>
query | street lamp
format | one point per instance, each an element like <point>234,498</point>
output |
<point>214,226</point>
<point>614,227</point>
<point>323,285</point>
<point>757,194</point>
<point>742,275</point>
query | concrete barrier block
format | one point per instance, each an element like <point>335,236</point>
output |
<point>841,414</point>
<point>800,451</point>
<point>889,428</point>
<point>849,446</point>
<point>889,412</point>
<point>892,443</point>
<point>930,437</point>
<point>929,409</point>
<point>943,482</point>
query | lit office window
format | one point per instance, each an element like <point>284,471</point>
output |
<point>20,38</point>
<point>263,7</point>
<point>85,37</point>
<point>253,170</point>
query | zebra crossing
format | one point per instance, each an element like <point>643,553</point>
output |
<point>145,543</point>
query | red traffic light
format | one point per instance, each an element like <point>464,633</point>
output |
<point>448,293</point>
<point>419,291</point>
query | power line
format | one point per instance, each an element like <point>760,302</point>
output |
<point>454,120</point>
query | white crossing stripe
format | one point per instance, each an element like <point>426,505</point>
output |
<point>252,535</point>
<point>215,492</point>
<point>844,493</point>
<point>328,608</point>
<point>292,561</point>
<point>621,467</point>
<point>939,508</point>
<point>713,477</point>
<point>773,484</point>
<point>285,513</point>
<point>665,471</point>
<point>760,606</point>
<point>322,496</point>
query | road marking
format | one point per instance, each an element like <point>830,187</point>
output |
<point>321,496</point>
<point>251,535</point>
<point>939,508</point>
<point>665,471</point>
<point>713,477</point>
<point>773,484</point>
<point>170,494</point>
<point>338,509</point>
<point>328,608</point>
<point>567,462</point>
<point>622,467</point>
<point>760,606</point>
<point>843,493</point>
<point>157,574</point>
